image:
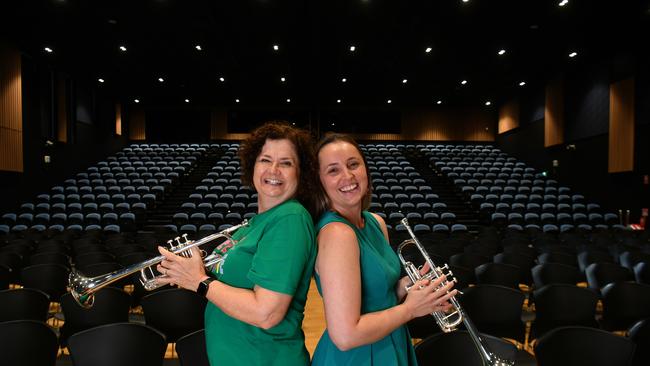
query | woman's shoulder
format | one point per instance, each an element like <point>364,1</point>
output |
<point>329,217</point>
<point>291,207</point>
<point>374,220</point>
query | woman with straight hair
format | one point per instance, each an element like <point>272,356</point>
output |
<point>357,272</point>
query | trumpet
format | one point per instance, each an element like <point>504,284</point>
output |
<point>448,322</point>
<point>83,288</point>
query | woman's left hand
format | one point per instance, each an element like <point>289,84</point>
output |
<point>406,281</point>
<point>181,271</point>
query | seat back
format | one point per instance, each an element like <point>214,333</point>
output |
<point>559,305</point>
<point>27,343</point>
<point>124,344</point>
<point>583,346</point>
<point>457,348</point>
<point>111,305</point>
<point>191,349</point>
<point>174,312</point>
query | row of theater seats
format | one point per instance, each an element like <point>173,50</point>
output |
<point>219,200</point>
<point>34,271</point>
<point>494,301</point>
<point>126,184</point>
<point>548,271</point>
<point>507,192</point>
<point>399,191</point>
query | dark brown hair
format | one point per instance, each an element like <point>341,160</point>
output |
<point>322,201</point>
<point>302,142</point>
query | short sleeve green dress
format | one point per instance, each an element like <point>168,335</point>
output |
<point>276,251</point>
<point>380,271</point>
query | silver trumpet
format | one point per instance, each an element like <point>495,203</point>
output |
<point>450,321</point>
<point>83,288</point>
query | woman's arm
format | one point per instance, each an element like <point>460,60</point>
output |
<point>337,264</point>
<point>259,307</point>
<point>400,287</point>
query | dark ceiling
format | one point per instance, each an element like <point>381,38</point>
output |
<point>314,39</point>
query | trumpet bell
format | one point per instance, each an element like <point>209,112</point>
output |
<point>79,286</point>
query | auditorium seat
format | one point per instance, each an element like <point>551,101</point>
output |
<point>567,346</point>
<point>126,344</point>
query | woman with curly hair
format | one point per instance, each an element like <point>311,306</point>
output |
<point>256,297</point>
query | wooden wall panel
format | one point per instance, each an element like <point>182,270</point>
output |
<point>118,119</point>
<point>11,111</point>
<point>447,125</point>
<point>421,124</point>
<point>621,126</point>
<point>508,116</point>
<point>61,110</point>
<point>554,113</point>
<point>137,124</point>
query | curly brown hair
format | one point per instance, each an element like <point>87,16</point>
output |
<point>302,141</point>
<point>322,201</point>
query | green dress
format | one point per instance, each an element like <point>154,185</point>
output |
<point>380,271</point>
<point>276,251</point>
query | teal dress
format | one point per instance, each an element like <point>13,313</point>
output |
<point>380,271</point>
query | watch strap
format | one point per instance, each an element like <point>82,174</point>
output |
<point>204,285</point>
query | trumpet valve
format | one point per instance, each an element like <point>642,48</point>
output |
<point>178,241</point>
<point>185,240</point>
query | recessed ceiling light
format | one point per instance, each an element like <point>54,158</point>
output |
<point>288,100</point>
<point>222,79</point>
<point>282,79</point>
<point>276,47</point>
<point>338,101</point>
<point>522,83</point>
<point>563,2</point>
<point>187,100</point>
<point>343,80</point>
<point>198,47</point>
<point>136,100</point>
<point>122,48</point>
<point>463,82</point>
<point>439,102</point>
<point>428,49</point>
<point>236,100</point>
<point>332,124</point>
<point>502,52</point>
<point>161,79</point>
<point>573,54</point>
<point>353,48</point>
<point>48,50</point>
<point>465,1</point>
<point>404,81</point>
<point>389,101</point>
<point>100,80</point>
<point>488,103</point>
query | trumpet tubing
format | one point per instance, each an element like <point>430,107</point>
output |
<point>448,322</point>
<point>83,288</point>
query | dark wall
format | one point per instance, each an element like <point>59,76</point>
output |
<point>583,158</point>
<point>87,144</point>
<point>177,125</point>
<point>586,104</point>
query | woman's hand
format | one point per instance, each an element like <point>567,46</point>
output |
<point>425,297</point>
<point>405,282</point>
<point>184,272</point>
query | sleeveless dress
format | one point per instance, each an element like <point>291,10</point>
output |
<point>380,271</point>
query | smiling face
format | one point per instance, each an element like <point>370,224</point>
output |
<point>275,175</point>
<point>343,175</point>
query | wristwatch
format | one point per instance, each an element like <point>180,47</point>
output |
<point>204,286</point>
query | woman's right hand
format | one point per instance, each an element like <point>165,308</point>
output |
<point>426,297</point>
